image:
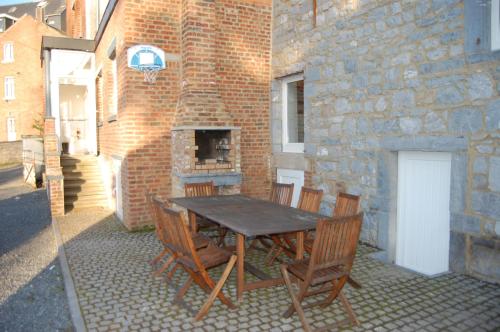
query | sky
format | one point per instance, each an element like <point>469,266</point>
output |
<point>10,2</point>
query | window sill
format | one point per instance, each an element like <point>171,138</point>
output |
<point>9,99</point>
<point>112,118</point>
<point>7,61</point>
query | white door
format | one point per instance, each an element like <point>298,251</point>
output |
<point>117,164</point>
<point>423,214</point>
<point>11,129</point>
<point>292,176</point>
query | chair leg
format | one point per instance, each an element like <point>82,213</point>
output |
<point>348,308</point>
<point>211,298</point>
<point>337,287</point>
<point>222,235</point>
<point>273,254</point>
<point>170,274</point>
<point>164,267</point>
<point>295,301</point>
<point>180,294</point>
<point>155,260</point>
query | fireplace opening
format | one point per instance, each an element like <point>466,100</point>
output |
<point>213,147</point>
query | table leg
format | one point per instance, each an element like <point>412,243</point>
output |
<point>299,254</point>
<point>240,251</point>
<point>192,221</point>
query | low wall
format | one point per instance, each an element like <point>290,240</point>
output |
<point>11,152</point>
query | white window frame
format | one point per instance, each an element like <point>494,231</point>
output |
<point>287,146</point>
<point>9,89</point>
<point>8,52</point>
<point>495,25</point>
<point>11,134</point>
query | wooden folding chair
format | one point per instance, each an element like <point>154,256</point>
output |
<point>163,235</point>
<point>196,262</point>
<point>345,205</point>
<point>202,189</point>
<point>281,193</point>
<point>329,265</point>
<point>309,200</point>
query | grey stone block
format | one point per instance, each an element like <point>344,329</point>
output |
<point>451,37</point>
<point>480,86</point>
<point>460,222</point>
<point>385,126</point>
<point>441,66</point>
<point>479,181</point>
<point>486,203</point>
<point>443,81</point>
<point>465,121</point>
<point>433,122</point>
<point>410,126</point>
<point>458,184</point>
<point>326,166</point>
<point>494,176</point>
<point>403,100</point>
<point>350,66</point>
<point>342,105</point>
<point>457,252</point>
<point>493,116</point>
<point>480,165</point>
<point>485,260</point>
<point>312,74</point>
<point>449,95</point>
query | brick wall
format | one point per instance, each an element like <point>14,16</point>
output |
<point>28,105</point>
<point>11,152</point>
<point>243,73</point>
<point>140,135</point>
<point>75,18</point>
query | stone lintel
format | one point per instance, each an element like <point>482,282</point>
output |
<point>225,179</point>
<point>425,143</point>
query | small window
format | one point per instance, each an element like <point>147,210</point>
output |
<point>9,88</point>
<point>11,129</point>
<point>113,101</point>
<point>495,25</point>
<point>8,52</point>
<point>293,114</point>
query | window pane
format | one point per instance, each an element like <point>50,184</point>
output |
<point>295,111</point>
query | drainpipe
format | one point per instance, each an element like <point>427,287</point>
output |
<point>46,59</point>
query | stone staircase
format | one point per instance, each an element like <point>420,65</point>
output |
<point>83,187</point>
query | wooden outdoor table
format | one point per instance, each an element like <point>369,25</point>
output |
<point>250,217</point>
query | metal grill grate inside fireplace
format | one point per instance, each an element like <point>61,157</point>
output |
<point>213,149</point>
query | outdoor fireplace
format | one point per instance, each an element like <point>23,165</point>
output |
<point>206,154</point>
<point>213,149</point>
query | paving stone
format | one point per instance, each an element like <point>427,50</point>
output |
<point>118,292</point>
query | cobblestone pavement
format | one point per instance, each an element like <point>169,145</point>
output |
<point>117,291</point>
<point>32,296</point>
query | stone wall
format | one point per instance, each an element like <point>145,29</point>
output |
<point>387,76</point>
<point>11,152</point>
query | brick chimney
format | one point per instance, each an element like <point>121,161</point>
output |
<point>200,103</point>
<point>40,11</point>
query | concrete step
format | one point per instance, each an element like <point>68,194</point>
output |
<point>80,168</point>
<point>80,205</point>
<point>97,200</point>
<point>91,177</point>
<point>76,192</point>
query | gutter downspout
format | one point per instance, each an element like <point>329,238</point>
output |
<point>48,105</point>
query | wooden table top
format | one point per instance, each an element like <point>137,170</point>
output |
<point>250,216</point>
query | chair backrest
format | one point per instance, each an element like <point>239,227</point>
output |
<point>335,242</point>
<point>153,201</point>
<point>199,189</point>
<point>177,234</point>
<point>346,205</point>
<point>310,199</point>
<point>281,193</point>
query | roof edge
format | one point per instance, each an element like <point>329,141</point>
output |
<point>66,43</point>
